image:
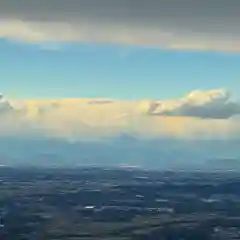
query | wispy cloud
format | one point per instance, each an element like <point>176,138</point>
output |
<point>173,24</point>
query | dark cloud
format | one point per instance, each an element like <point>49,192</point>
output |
<point>215,112</point>
<point>99,102</point>
<point>167,23</point>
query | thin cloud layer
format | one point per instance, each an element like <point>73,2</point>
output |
<point>173,24</point>
<point>200,114</point>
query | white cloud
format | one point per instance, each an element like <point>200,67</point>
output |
<point>199,114</point>
<point>5,106</point>
<point>52,33</point>
<point>214,104</point>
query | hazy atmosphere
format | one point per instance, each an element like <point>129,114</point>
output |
<point>95,71</point>
<point>119,119</point>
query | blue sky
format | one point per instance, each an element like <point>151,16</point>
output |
<point>112,71</point>
<point>180,59</point>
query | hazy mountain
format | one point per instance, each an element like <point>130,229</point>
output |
<point>154,153</point>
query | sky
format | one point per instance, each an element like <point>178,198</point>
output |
<point>120,72</point>
<point>99,68</point>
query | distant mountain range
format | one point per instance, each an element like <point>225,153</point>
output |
<point>148,153</point>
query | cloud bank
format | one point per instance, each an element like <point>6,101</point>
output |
<point>199,114</point>
<point>171,24</point>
